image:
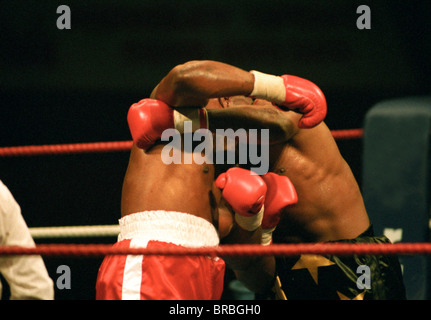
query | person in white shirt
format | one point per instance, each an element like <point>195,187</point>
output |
<point>27,276</point>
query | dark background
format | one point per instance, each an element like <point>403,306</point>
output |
<point>70,86</point>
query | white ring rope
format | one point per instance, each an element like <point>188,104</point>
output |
<point>75,231</point>
<point>82,231</point>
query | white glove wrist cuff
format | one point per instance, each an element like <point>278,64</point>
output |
<point>268,87</point>
<point>250,223</point>
<point>267,236</point>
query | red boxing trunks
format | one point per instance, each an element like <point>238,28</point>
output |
<point>164,277</point>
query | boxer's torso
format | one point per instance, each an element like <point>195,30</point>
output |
<point>150,184</point>
<point>330,205</point>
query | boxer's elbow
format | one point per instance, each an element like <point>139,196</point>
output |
<point>281,128</point>
<point>186,77</point>
<point>286,129</point>
<point>186,85</point>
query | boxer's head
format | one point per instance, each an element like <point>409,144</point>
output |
<point>227,102</point>
<point>214,103</point>
<point>240,101</point>
<point>261,102</point>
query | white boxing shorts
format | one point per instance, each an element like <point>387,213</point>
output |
<point>162,277</point>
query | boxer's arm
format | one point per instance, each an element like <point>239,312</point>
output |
<point>255,272</point>
<point>194,82</point>
<point>243,195</point>
<point>281,126</point>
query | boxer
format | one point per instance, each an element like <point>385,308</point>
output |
<point>329,206</point>
<point>186,277</point>
<point>174,205</point>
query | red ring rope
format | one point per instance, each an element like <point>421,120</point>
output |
<point>225,250</point>
<point>347,134</point>
<point>115,146</point>
<point>91,147</point>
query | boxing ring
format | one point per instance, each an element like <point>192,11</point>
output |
<point>408,248</point>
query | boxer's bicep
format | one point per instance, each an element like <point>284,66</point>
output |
<point>195,82</point>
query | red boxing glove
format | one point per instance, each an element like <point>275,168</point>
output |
<point>307,98</point>
<point>293,93</point>
<point>280,194</point>
<point>148,119</point>
<point>245,191</point>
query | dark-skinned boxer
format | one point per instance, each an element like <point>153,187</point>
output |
<point>330,205</point>
<point>171,205</point>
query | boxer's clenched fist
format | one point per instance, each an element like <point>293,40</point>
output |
<point>148,119</point>
<point>245,191</point>
<point>293,93</point>
<point>280,194</point>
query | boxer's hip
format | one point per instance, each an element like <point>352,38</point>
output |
<point>162,277</point>
<point>168,226</point>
